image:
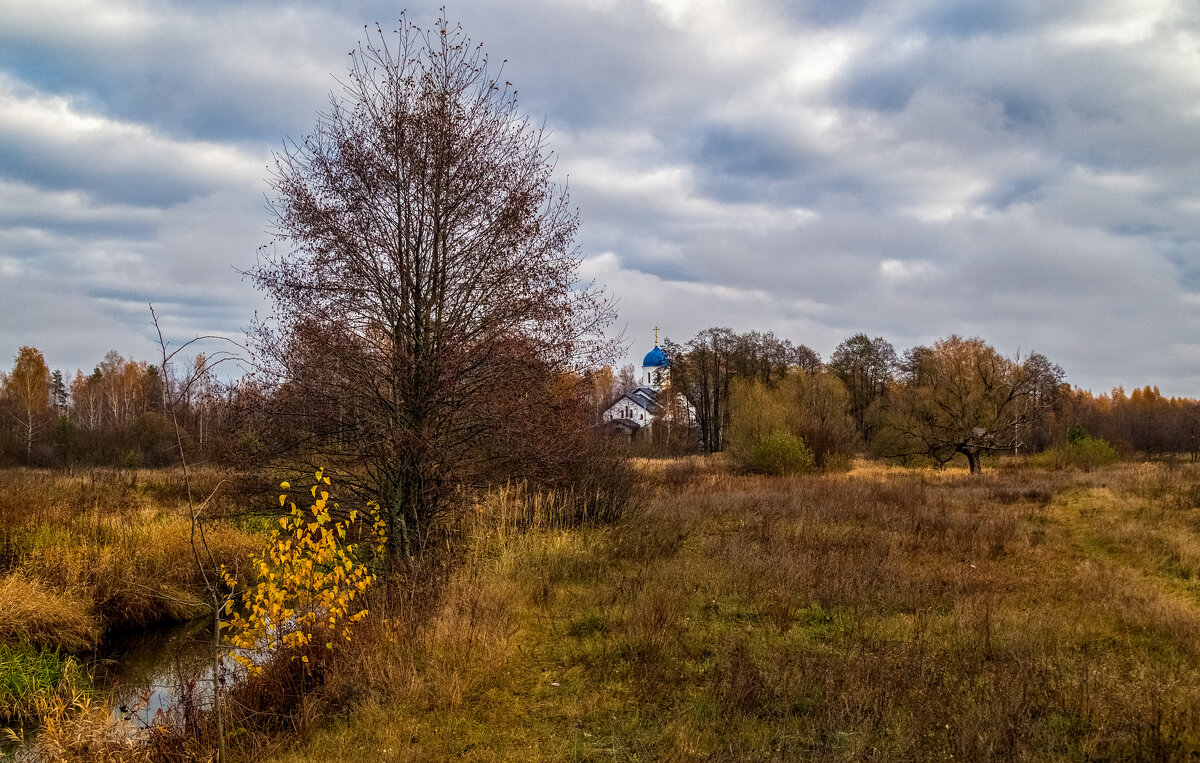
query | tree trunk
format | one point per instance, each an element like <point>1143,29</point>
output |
<point>972,454</point>
<point>218,710</point>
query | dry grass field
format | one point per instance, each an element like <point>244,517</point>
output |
<point>880,614</point>
<point>103,550</point>
<point>877,614</point>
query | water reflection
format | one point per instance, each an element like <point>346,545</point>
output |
<point>151,674</point>
<point>149,677</point>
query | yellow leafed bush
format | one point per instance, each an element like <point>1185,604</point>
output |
<point>308,583</point>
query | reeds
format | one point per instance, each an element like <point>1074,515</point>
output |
<point>100,550</point>
<point>36,614</point>
<point>74,725</point>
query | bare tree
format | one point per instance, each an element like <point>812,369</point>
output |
<point>626,382</point>
<point>205,563</point>
<point>600,390</point>
<point>866,366</point>
<point>806,359</point>
<point>764,357</point>
<point>702,371</point>
<point>961,396</point>
<point>427,290</point>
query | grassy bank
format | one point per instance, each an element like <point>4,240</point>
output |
<point>103,550</point>
<point>880,614</point>
<point>31,678</point>
<point>85,554</point>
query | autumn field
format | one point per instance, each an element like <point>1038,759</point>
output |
<point>881,613</point>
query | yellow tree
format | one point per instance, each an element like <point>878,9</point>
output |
<point>306,582</point>
<point>27,389</point>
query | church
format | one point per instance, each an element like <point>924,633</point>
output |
<point>640,407</point>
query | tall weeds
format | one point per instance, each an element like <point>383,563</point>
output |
<point>100,550</point>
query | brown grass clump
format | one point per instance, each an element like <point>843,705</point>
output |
<point>113,546</point>
<point>137,569</point>
<point>35,614</point>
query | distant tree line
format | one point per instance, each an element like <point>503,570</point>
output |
<point>1141,421</point>
<point>957,398</point>
<point>116,414</point>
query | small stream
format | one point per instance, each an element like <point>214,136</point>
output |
<point>155,670</point>
<point>147,676</point>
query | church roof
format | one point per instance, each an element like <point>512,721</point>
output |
<point>645,397</point>
<point>655,358</point>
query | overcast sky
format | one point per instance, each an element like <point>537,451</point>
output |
<point>1021,170</point>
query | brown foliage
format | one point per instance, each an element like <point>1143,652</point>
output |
<point>961,396</point>
<point>426,304</point>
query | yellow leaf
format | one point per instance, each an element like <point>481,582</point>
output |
<point>283,522</point>
<point>282,498</point>
<point>284,485</point>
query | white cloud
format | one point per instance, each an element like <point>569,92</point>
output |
<point>51,140</point>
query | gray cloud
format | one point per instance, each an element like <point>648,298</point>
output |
<point>1023,171</point>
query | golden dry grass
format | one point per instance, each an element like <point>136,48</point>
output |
<point>34,613</point>
<point>881,614</point>
<point>109,548</point>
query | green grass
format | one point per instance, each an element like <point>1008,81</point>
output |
<point>29,676</point>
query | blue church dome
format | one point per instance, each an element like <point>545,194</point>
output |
<point>655,357</point>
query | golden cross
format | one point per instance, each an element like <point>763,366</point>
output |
<point>656,336</point>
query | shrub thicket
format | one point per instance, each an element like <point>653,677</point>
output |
<point>780,453</point>
<point>1083,452</point>
<point>810,409</point>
